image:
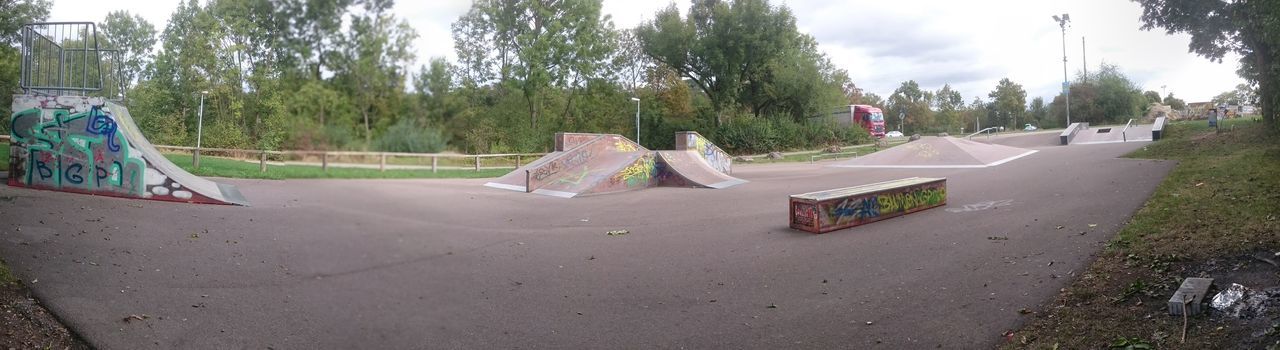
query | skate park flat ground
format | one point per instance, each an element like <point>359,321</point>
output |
<point>410,264</point>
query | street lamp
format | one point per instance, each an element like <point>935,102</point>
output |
<point>199,129</point>
<point>1066,87</point>
<point>637,100</point>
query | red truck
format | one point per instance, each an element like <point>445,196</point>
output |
<point>868,117</point>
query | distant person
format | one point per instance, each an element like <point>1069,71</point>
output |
<point>1213,117</point>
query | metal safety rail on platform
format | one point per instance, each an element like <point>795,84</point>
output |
<point>65,58</point>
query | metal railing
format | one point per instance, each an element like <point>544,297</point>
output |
<point>987,130</point>
<point>1124,133</point>
<point>66,58</point>
<point>815,157</point>
<point>382,161</point>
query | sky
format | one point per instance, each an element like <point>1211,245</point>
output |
<point>968,44</point>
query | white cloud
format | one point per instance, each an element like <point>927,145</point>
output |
<point>969,44</point>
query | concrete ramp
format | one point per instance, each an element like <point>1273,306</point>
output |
<point>584,164</point>
<point>88,145</point>
<point>939,152</point>
<point>1113,134</point>
<point>689,169</point>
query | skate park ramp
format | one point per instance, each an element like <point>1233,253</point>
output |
<point>88,145</point>
<point>584,164</point>
<point>1113,134</point>
<point>939,152</point>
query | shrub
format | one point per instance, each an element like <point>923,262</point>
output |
<point>406,136</point>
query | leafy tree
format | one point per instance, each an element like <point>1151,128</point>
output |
<point>16,13</point>
<point>1009,102</point>
<point>908,101</point>
<point>1248,28</point>
<point>728,49</point>
<point>1176,103</point>
<point>1152,96</point>
<point>948,103</point>
<point>1038,112</point>
<point>134,37</point>
<point>533,46</point>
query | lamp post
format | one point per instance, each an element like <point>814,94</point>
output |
<point>1066,87</point>
<point>199,129</point>
<point>637,100</point>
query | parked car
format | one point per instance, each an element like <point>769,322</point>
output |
<point>1030,127</point>
<point>893,134</point>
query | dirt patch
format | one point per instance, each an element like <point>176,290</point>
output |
<point>25,324</point>
<point>1216,215</point>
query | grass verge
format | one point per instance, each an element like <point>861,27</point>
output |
<point>4,156</point>
<point>1217,209</point>
<point>222,167</point>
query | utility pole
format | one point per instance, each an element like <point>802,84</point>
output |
<point>1084,59</point>
<point>1066,83</point>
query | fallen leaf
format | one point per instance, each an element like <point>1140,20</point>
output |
<point>617,232</point>
<point>1061,227</point>
<point>1093,225</point>
<point>772,306</point>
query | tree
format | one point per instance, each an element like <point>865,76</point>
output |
<point>730,50</point>
<point>1176,103</point>
<point>134,37</point>
<point>1248,28</point>
<point>1152,96</point>
<point>910,102</point>
<point>16,13</point>
<point>1038,112</point>
<point>1009,102</point>
<point>533,45</point>
<point>948,103</point>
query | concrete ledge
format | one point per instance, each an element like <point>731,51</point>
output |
<point>1189,296</point>
<point>1157,129</point>
<point>830,210</point>
<point>1072,130</point>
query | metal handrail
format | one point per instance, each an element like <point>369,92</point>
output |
<point>987,130</point>
<point>1124,132</point>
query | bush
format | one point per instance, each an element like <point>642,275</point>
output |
<point>406,136</point>
<point>747,135</point>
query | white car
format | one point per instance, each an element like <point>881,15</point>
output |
<point>1030,127</point>
<point>893,134</point>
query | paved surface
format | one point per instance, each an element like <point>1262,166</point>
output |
<point>452,264</point>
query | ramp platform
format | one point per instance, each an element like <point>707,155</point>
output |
<point>585,164</point>
<point>89,145</point>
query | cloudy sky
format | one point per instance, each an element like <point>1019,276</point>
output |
<point>968,44</point>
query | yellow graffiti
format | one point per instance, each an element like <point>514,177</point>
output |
<point>896,202</point>
<point>624,146</point>
<point>637,173</point>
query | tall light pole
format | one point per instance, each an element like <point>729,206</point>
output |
<point>199,129</point>
<point>637,100</point>
<point>1066,85</point>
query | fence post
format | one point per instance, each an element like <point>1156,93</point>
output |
<point>517,161</point>
<point>262,161</point>
<point>195,158</point>
<point>324,161</point>
<point>434,162</point>
<point>382,163</point>
<point>477,162</point>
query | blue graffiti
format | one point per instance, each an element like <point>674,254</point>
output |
<point>102,124</point>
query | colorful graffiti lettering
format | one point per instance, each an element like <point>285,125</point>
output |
<point>856,209</point>
<point>712,154</point>
<point>574,160</point>
<point>83,151</point>
<point>622,146</point>
<point>639,173</point>
<point>804,214</point>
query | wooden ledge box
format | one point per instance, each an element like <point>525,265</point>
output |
<point>830,210</point>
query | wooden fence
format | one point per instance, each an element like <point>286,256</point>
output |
<point>349,159</point>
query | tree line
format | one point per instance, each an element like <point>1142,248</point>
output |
<point>338,74</point>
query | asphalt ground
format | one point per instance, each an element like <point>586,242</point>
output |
<point>409,264</point>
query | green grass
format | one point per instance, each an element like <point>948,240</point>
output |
<point>6,276</point>
<point>222,167</point>
<point>805,156</point>
<point>1219,204</point>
